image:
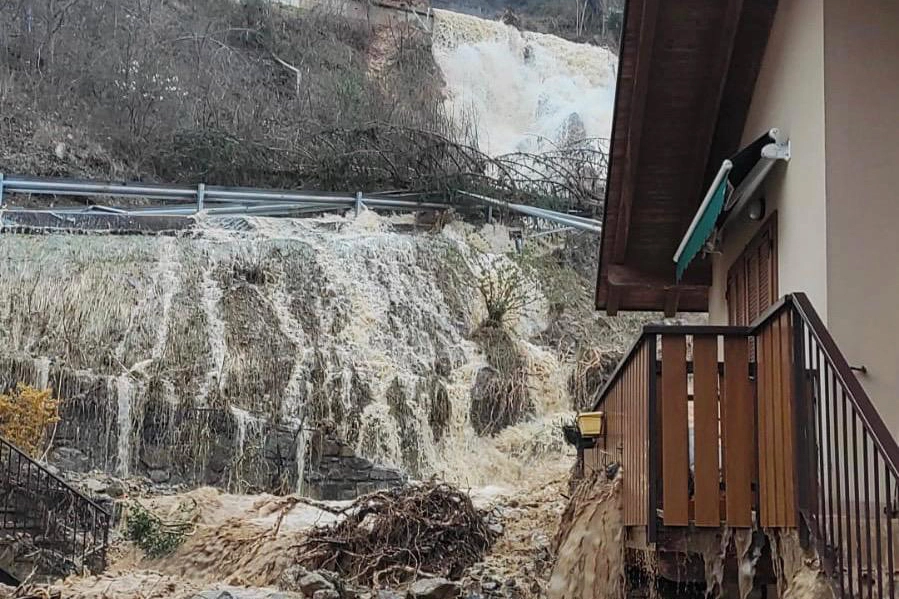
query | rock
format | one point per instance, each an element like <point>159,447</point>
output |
<point>359,464</point>
<point>389,594</point>
<point>156,458</point>
<point>434,588</point>
<point>330,447</point>
<point>96,487</point>
<point>489,585</point>
<point>291,576</point>
<point>115,489</point>
<point>159,476</point>
<point>385,474</point>
<point>313,582</point>
<point>70,459</point>
<point>495,528</point>
<point>326,594</point>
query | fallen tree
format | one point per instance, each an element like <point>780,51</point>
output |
<point>396,536</point>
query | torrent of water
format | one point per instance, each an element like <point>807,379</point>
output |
<point>124,388</point>
<point>281,326</point>
<point>524,91</point>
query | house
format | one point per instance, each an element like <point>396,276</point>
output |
<point>754,155</point>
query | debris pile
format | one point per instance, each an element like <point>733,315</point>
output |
<point>395,536</point>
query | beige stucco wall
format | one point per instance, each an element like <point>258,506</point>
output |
<point>789,95</point>
<point>862,135</point>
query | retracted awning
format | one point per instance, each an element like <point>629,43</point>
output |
<point>735,184</point>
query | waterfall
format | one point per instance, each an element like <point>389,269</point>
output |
<point>524,91</point>
<point>354,326</point>
<point>42,370</point>
<point>124,390</point>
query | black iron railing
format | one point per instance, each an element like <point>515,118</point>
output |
<point>70,531</point>
<point>848,465</point>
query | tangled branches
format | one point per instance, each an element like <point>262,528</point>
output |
<point>388,156</point>
<point>393,536</point>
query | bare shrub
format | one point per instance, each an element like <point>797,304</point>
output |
<point>507,291</point>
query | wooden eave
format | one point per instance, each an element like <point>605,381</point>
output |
<point>686,75</point>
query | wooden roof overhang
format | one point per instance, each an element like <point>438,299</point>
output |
<point>686,74</point>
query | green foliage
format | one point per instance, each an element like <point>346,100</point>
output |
<point>154,537</point>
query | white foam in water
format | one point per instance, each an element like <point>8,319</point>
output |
<point>524,91</point>
<point>211,296</point>
<point>124,390</point>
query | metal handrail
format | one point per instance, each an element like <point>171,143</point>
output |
<point>37,501</point>
<point>856,393</point>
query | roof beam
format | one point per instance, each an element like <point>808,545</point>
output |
<point>613,300</point>
<point>672,298</point>
<point>648,18</point>
<point>705,133</point>
<point>624,276</point>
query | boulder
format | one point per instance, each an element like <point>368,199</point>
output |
<point>159,476</point>
<point>326,594</point>
<point>312,582</point>
<point>434,588</point>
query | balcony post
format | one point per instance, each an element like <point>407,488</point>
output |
<point>805,444</point>
<point>655,461</point>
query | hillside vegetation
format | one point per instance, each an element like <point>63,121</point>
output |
<point>232,93</point>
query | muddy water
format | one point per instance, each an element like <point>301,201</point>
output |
<point>590,559</point>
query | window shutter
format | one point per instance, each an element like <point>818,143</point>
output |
<point>752,279</point>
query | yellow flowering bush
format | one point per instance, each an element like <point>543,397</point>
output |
<point>25,416</point>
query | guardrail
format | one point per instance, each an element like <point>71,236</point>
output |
<point>179,200</point>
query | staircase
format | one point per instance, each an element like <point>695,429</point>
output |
<point>47,527</point>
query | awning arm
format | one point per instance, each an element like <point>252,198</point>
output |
<point>722,174</point>
<point>745,192</point>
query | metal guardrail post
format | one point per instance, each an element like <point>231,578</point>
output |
<point>1,190</point>
<point>359,205</point>
<point>201,196</point>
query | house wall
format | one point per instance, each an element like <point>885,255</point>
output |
<point>862,138</point>
<point>789,95</point>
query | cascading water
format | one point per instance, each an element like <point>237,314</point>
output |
<point>524,91</point>
<point>173,353</point>
<point>124,389</point>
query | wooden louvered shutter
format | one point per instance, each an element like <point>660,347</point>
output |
<point>752,279</point>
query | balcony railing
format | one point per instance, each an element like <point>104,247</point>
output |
<point>762,426</point>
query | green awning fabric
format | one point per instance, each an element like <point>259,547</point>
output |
<point>704,225</point>
<point>734,184</point>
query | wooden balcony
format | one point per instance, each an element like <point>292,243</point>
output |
<point>760,427</point>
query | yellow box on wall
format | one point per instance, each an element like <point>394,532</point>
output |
<point>591,424</point>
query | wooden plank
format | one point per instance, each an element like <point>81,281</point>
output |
<point>675,451</point>
<point>635,124</point>
<point>764,446</point>
<point>787,454</point>
<point>707,493</point>
<point>740,433</point>
<point>769,445</point>
<point>777,516</point>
